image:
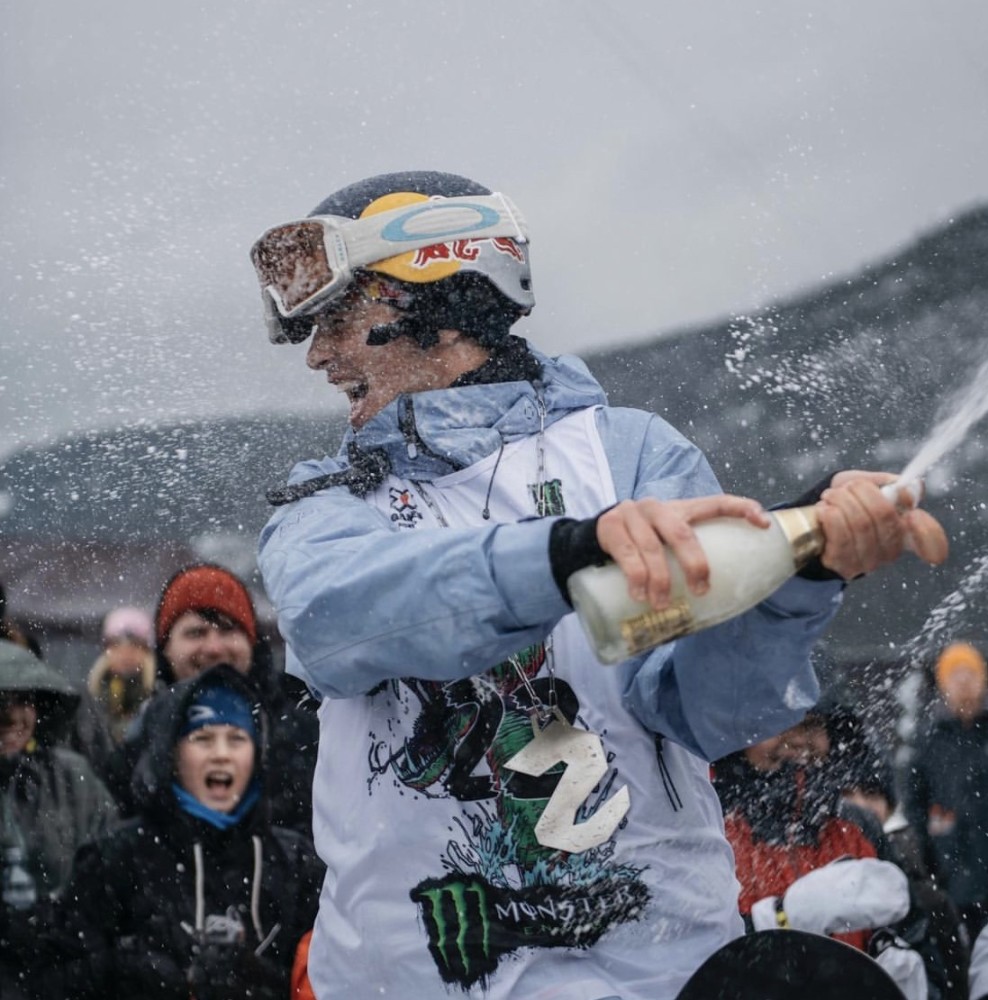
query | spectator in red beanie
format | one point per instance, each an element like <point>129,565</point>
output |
<point>206,617</point>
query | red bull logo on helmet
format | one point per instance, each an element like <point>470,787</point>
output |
<point>464,250</point>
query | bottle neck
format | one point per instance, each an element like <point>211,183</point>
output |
<point>801,526</point>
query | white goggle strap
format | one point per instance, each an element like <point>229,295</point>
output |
<point>353,243</point>
<point>422,224</point>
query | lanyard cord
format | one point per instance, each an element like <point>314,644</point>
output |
<point>542,508</point>
<point>543,712</point>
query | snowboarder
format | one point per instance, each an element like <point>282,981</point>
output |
<point>522,822</point>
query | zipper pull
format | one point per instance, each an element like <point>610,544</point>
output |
<point>407,424</point>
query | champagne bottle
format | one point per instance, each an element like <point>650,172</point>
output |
<point>747,564</point>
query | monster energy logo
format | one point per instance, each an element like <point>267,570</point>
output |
<point>456,916</point>
<point>471,924</point>
<point>548,498</point>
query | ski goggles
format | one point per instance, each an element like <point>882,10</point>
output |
<point>304,266</point>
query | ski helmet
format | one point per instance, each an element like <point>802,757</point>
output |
<point>378,235</point>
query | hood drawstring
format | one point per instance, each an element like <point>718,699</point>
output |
<point>486,512</point>
<point>255,896</point>
<point>200,889</point>
<point>255,889</point>
<point>414,445</point>
<point>671,793</point>
<point>540,498</point>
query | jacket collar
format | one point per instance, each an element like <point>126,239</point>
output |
<point>431,434</point>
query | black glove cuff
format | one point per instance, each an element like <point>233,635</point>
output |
<point>572,545</point>
<point>814,569</point>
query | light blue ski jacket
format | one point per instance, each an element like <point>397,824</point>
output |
<point>360,602</point>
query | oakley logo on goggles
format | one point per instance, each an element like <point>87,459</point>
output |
<point>304,266</point>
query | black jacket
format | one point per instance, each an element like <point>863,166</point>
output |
<point>947,805</point>
<point>148,904</point>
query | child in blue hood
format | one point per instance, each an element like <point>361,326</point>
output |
<point>198,895</point>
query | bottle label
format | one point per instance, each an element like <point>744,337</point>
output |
<point>652,628</point>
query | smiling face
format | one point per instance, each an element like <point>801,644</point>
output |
<point>372,375</point>
<point>214,764</point>
<point>18,717</point>
<point>196,643</point>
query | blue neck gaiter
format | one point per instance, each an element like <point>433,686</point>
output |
<point>222,821</point>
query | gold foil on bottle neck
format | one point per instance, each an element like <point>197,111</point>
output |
<point>801,526</point>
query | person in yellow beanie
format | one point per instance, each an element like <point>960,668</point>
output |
<point>947,784</point>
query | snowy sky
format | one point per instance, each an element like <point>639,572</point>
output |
<point>676,161</point>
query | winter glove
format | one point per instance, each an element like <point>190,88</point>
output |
<point>223,971</point>
<point>853,895</point>
<point>903,964</point>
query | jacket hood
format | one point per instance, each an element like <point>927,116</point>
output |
<point>430,434</point>
<point>154,772</point>
<point>56,700</point>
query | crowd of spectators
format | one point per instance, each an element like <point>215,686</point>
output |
<point>155,821</point>
<point>155,832</point>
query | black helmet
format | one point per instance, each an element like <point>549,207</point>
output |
<point>478,282</point>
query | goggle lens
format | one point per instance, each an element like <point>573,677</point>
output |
<point>291,261</point>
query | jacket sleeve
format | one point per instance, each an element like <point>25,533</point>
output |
<point>97,810</point>
<point>87,909</point>
<point>96,959</point>
<point>360,602</point>
<point>736,683</point>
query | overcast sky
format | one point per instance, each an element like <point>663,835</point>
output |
<point>677,162</point>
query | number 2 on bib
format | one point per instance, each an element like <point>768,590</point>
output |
<point>583,754</point>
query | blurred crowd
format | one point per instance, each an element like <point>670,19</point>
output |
<point>155,824</point>
<point>155,834</point>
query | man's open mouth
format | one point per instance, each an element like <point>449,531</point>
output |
<point>354,388</point>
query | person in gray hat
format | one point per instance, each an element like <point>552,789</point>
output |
<point>50,802</point>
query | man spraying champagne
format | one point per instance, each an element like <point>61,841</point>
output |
<point>499,814</point>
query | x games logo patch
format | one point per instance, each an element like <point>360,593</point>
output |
<point>403,510</point>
